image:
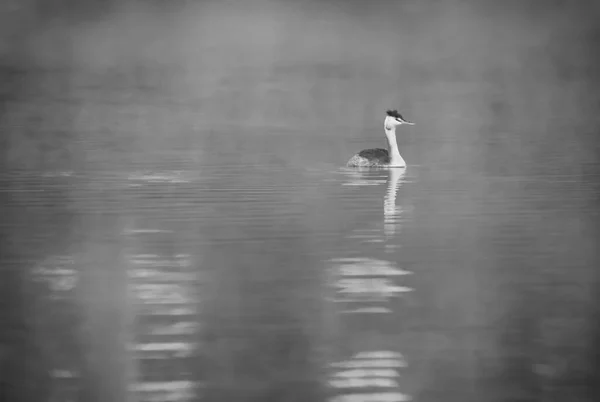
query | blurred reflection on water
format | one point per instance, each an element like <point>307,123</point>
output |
<point>177,225</point>
<point>253,280</point>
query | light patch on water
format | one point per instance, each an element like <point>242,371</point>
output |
<point>162,293</point>
<point>58,373</point>
<point>58,273</point>
<point>167,391</point>
<point>371,286</point>
<point>180,260</point>
<point>179,328</point>
<point>360,236</point>
<point>166,310</point>
<point>164,350</point>
<point>363,383</point>
<point>379,354</point>
<point>367,267</point>
<point>175,176</point>
<point>364,183</point>
<point>370,363</point>
<point>144,231</point>
<point>368,369</point>
<point>168,301</point>
<point>162,386</point>
<point>162,276</point>
<point>365,280</point>
<point>368,310</point>
<point>367,373</point>
<point>391,247</point>
<point>64,173</point>
<point>373,397</point>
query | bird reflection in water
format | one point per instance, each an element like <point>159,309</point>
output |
<point>392,212</point>
<point>368,283</point>
<point>365,286</point>
<point>377,371</point>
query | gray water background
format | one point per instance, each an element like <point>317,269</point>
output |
<point>177,222</point>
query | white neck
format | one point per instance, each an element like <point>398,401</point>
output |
<point>396,159</point>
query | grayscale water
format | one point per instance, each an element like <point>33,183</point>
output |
<point>187,234</point>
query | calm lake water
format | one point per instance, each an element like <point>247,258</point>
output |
<point>185,234</point>
<point>263,280</point>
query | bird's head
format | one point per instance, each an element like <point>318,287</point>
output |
<point>393,118</point>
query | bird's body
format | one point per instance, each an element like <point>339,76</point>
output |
<point>370,158</point>
<point>379,157</point>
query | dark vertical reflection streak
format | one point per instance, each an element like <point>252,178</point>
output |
<point>106,322</point>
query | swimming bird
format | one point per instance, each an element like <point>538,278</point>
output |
<point>379,157</point>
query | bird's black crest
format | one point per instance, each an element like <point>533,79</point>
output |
<point>394,113</point>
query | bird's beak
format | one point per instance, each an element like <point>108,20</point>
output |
<point>402,121</point>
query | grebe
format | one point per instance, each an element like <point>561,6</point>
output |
<point>379,157</point>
